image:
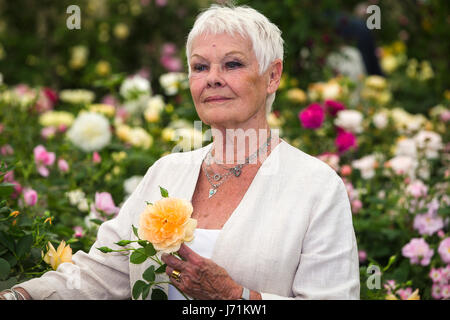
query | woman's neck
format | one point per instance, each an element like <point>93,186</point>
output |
<point>235,146</point>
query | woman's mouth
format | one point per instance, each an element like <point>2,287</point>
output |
<point>216,99</point>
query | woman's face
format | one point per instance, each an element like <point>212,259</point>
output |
<point>225,83</point>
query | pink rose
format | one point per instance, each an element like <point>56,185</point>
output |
<point>46,101</point>
<point>111,100</point>
<point>42,158</point>
<point>436,290</point>
<point>169,49</point>
<point>9,176</point>
<point>161,3</point>
<point>63,165</point>
<point>51,94</point>
<point>30,196</point>
<point>346,170</point>
<point>345,140</point>
<point>105,204</point>
<point>356,205</point>
<point>418,251</point>
<point>17,189</point>
<point>48,132</point>
<point>96,157</point>
<point>172,64</point>
<point>417,189</point>
<point>312,116</point>
<point>78,231</point>
<point>428,223</point>
<point>444,250</point>
<point>6,150</point>
<point>362,256</point>
<point>62,128</point>
<point>333,107</point>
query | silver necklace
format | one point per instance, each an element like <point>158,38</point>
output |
<point>236,170</point>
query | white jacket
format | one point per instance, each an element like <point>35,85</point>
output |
<point>291,236</point>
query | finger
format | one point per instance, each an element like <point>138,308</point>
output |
<point>173,280</point>
<point>173,262</point>
<point>188,254</point>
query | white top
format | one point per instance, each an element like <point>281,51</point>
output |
<point>291,236</point>
<point>203,244</point>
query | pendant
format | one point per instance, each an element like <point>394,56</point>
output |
<point>217,177</point>
<point>212,192</point>
<point>236,171</point>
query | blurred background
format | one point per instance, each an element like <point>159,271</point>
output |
<point>36,46</point>
<point>85,112</point>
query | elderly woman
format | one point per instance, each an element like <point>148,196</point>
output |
<point>273,222</point>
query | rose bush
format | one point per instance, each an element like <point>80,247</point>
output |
<point>73,148</point>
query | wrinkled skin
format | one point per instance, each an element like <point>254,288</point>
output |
<point>201,278</point>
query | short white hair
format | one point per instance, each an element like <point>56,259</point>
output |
<point>264,35</point>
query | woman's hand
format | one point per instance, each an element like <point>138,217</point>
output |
<point>200,278</point>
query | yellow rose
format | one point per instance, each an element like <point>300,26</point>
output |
<point>121,31</point>
<point>296,95</point>
<point>167,224</point>
<point>376,82</point>
<point>56,257</point>
<point>106,109</point>
<point>103,68</point>
<point>123,132</point>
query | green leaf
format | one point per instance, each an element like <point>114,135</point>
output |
<point>137,289</point>
<point>149,274</point>
<point>161,269</point>
<point>7,241</point>
<point>6,189</point>
<point>105,249</point>
<point>135,231</point>
<point>158,294</point>
<point>96,221</point>
<point>164,192</point>
<point>138,256</point>
<point>148,203</point>
<point>5,268</point>
<point>150,250</point>
<point>142,243</point>
<point>24,245</point>
<point>146,291</point>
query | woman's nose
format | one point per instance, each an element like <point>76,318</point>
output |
<point>214,78</point>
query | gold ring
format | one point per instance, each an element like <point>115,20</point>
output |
<point>176,275</point>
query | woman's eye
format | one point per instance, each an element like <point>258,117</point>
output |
<point>233,64</point>
<point>199,67</point>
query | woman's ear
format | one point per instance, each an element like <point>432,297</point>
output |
<point>275,71</point>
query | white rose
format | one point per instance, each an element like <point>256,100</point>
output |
<point>172,82</point>
<point>406,147</point>
<point>404,165</point>
<point>350,120</point>
<point>83,205</point>
<point>430,142</point>
<point>90,132</point>
<point>140,138</point>
<point>366,165</point>
<point>75,196</point>
<point>380,120</point>
<point>155,106</point>
<point>135,86</point>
